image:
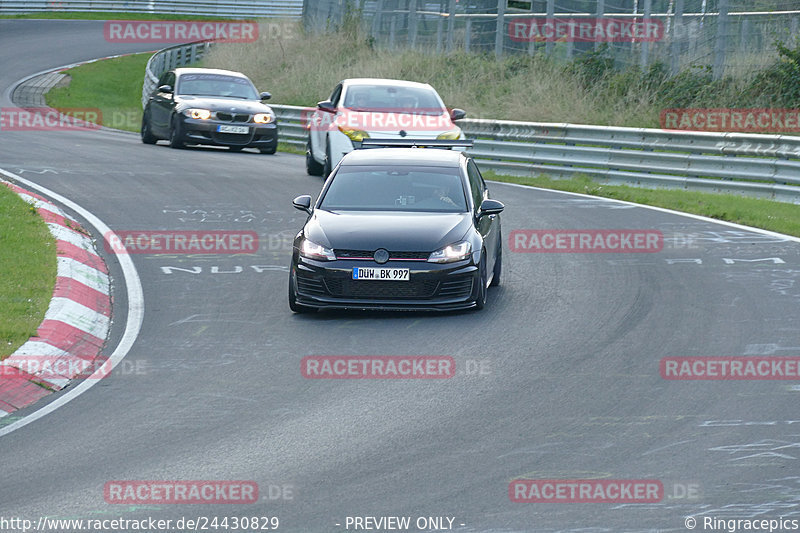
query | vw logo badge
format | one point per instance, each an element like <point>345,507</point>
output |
<point>381,256</point>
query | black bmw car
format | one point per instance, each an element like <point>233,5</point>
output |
<point>209,106</point>
<point>398,228</point>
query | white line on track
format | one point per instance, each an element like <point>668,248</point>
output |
<point>133,324</point>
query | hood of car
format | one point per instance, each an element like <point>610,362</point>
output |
<point>394,231</point>
<point>235,105</point>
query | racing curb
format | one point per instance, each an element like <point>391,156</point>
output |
<point>76,324</point>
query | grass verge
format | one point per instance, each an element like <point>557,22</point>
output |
<point>766,214</point>
<point>28,263</point>
<point>114,86</point>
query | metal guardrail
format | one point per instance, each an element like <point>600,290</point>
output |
<point>215,8</point>
<point>766,166</point>
<point>168,59</point>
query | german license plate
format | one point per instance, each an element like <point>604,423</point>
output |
<point>381,274</point>
<point>224,128</point>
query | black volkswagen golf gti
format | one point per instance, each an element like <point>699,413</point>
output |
<point>400,229</point>
<point>209,106</point>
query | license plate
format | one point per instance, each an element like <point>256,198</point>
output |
<point>381,274</point>
<point>224,128</point>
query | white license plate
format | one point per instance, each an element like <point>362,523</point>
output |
<point>224,128</point>
<point>381,274</point>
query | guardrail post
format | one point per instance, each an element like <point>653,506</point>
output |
<point>468,35</point>
<point>499,37</point>
<point>412,23</point>
<point>722,40</point>
<point>645,44</point>
<point>439,31</point>
<point>551,9</point>
<point>678,34</point>
<point>392,30</point>
<point>451,25</point>
<point>601,9</point>
<point>376,19</point>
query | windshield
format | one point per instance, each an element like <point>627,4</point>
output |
<point>366,188</point>
<point>216,85</point>
<point>388,99</point>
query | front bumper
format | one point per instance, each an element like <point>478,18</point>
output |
<point>431,286</point>
<point>205,132</point>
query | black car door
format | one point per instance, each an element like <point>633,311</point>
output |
<point>161,104</point>
<point>487,226</point>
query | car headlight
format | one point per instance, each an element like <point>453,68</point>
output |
<point>452,135</point>
<point>262,118</point>
<point>452,253</point>
<point>202,114</point>
<point>354,134</point>
<point>312,250</point>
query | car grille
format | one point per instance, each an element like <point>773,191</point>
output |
<point>233,117</point>
<point>376,290</point>
<point>458,288</point>
<point>311,286</point>
<point>393,256</point>
<point>232,138</point>
<point>340,287</point>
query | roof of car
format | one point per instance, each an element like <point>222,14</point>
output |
<point>384,81</point>
<point>196,70</point>
<point>436,157</point>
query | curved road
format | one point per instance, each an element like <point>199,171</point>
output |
<point>569,348</point>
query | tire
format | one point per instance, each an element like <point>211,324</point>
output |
<point>312,167</point>
<point>269,151</point>
<point>326,168</point>
<point>146,133</point>
<point>293,305</point>
<point>498,265</point>
<point>176,134</point>
<point>480,297</point>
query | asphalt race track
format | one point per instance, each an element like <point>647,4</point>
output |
<point>558,378</point>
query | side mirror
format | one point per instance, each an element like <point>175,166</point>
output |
<point>265,95</point>
<point>490,207</point>
<point>326,106</point>
<point>457,114</point>
<point>303,203</point>
<point>165,89</point>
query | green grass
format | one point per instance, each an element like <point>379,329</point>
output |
<point>109,15</point>
<point>114,86</point>
<point>28,265</point>
<point>766,214</point>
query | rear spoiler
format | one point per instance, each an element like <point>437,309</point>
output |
<point>413,143</point>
